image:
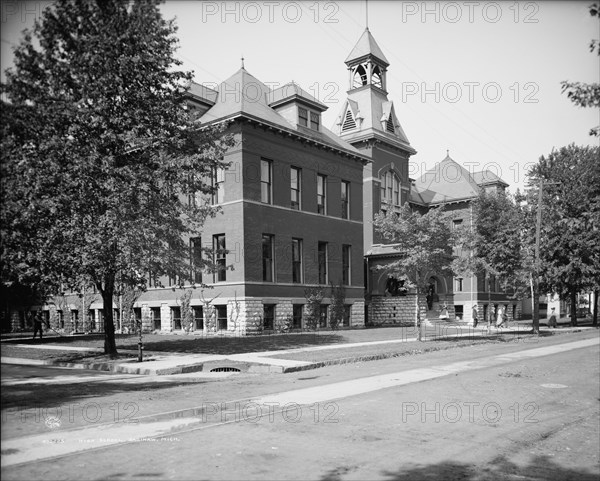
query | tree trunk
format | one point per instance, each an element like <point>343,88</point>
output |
<point>110,346</point>
<point>418,321</point>
<point>573,296</point>
<point>535,302</point>
<point>595,308</point>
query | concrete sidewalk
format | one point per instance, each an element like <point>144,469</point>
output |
<point>164,363</point>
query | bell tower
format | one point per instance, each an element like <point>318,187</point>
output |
<point>369,122</point>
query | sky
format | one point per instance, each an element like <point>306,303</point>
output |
<point>478,79</point>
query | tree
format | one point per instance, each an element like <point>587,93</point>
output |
<point>99,155</point>
<point>500,243</point>
<point>582,94</point>
<point>426,243</point>
<point>570,245</point>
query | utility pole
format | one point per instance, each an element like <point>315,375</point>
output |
<point>535,294</point>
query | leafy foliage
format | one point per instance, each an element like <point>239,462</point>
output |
<point>570,240</point>
<point>314,297</point>
<point>425,242</point>
<point>582,94</point>
<point>338,309</point>
<point>98,152</point>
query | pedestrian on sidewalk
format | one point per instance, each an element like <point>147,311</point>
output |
<point>552,320</point>
<point>37,324</point>
<point>502,317</point>
<point>475,320</point>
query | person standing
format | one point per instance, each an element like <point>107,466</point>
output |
<point>475,320</point>
<point>552,320</point>
<point>500,316</point>
<point>37,324</point>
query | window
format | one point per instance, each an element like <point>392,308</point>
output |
<point>268,317</point>
<point>314,121</point>
<point>266,174</point>
<point>297,261</point>
<point>196,259</point>
<point>219,253</point>
<point>155,315</point>
<point>459,312</point>
<point>295,187</point>
<point>321,194</point>
<point>390,188</point>
<point>176,318</point>
<point>323,315</point>
<point>198,318</point>
<point>218,179</point>
<point>303,117</point>
<point>458,284</point>
<point>221,311</point>
<point>297,316</point>
<point>347,315</point>
<point>267,255</point>
<point>346,264</point>
<point>360,77</point>
<point>456,223</point>
<point>345,199</point>
<point>376,77</point>
<point>322,259</point>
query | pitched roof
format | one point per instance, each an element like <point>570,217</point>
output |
<point>447,181</point>
<point>293,91</point>
<point>242,94</point>
<point>486,177</point>
<point>365,46</point>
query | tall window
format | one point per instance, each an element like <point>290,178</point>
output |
<point>196,259</point>
<point>390,188</point>
<point>268,317</point>
<point>297,316</point>
<point>314,121</point>
<point>346,253</point>
<point>295,187</point>
<point>458,284</point>
<point>303,117</point>
<point>267,254</point>
<point>297,261</point>
<point>220,252</point>
<point>221,317</point>
<point>322,259</point>
<point>218,180</point>
<point>266,175</point>
<point>321,194</point>
<point>345,199</point>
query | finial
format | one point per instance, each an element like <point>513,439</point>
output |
<point>243,62</point>
<point>367,14</point>
<point>447,153</point>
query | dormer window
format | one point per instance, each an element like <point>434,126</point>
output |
<point>314,121</point>
<point>303,117</point>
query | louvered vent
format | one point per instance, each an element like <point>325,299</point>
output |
<point>349,122</point>
<point>390,125</point>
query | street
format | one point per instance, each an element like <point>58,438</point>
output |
<point>519,410</point>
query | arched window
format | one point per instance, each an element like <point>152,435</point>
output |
<point>390,188</point>
<point>360,77</point>
<point>376,77</point>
